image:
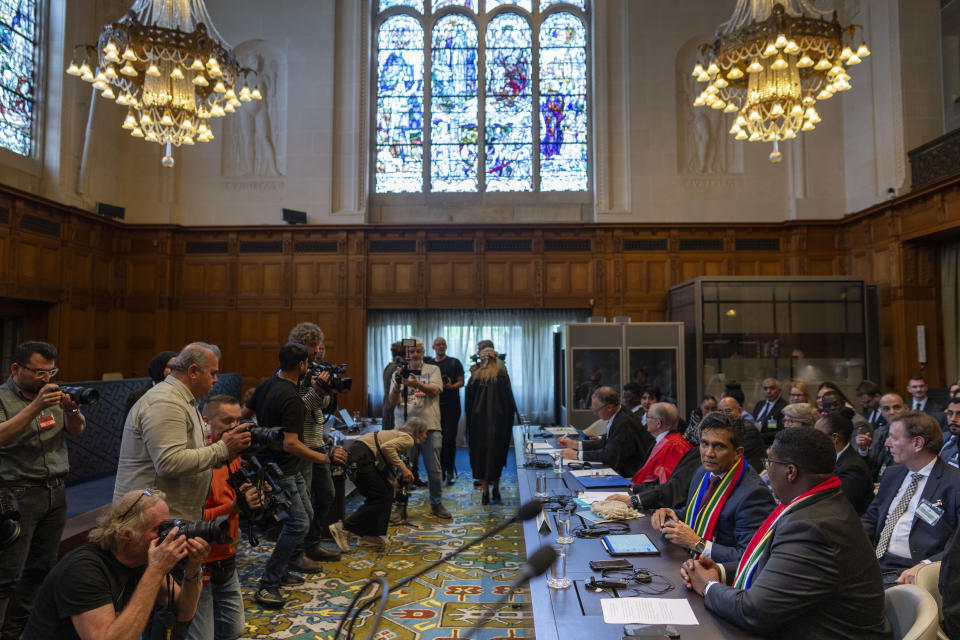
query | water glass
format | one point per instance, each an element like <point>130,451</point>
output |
<point>542,485</point>
<point>557,463</point>
<point>529,453</point>
<point>563,527</point>
<point>558,572</point>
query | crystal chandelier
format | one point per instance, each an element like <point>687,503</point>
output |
<point>166,63</point>
<point>770,63</point>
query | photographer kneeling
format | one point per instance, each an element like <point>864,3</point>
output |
<point>372,460</point>
<point>108,586</point>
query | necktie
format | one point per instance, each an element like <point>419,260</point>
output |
<point>712,485</point>
<point>896,514</point>
<point>917,406</point>
<point>763,414</point>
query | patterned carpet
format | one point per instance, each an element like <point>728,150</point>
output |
<point>438,606</point>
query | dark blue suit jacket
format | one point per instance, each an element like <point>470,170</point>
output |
<point>926,541</point>
<point>741,516</point>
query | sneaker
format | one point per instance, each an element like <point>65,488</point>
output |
<point>340,536</point>
<point>291,579</point>
<point>303,564</point>
<point>440,511</point>
<point>396,517</point>
<point>322,554</point>
<point>373,541</point>
<point>270,597</point>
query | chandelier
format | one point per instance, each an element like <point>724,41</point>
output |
<point>166,63</point>
<point>771,63</point>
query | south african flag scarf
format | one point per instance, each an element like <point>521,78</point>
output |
<point>704,511</point>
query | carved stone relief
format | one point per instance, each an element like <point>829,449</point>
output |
<point>255,137</point>
<point>703,144</point>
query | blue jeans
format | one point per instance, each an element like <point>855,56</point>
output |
<point>294,530</point>
<point>23,565</point>
<point>430,451</point>
<point>219,613</point>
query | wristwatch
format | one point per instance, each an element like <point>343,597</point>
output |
<point>635,502</point>
<point>701,546</point>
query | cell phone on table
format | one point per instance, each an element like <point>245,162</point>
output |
<point>611,565</point>
<point>649,631</point>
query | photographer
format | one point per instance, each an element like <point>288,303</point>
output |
<point>317,397</point>
<point>451,371</point>
<point>220,609</point>
<point>374,459</point>
<point>33,462</point>
<point>108,586</point>
<point>414,393</point>
<point>163,436</point>
<point>277,404</point>
<point>396,354</point>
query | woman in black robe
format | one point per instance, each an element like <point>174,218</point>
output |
<point>490,409</point>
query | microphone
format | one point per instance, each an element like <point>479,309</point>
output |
<point>527,511</point>
<point>536,564</point>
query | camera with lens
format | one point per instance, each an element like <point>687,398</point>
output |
<point>9,518</point>
<point>213,531</point>
<point>263,437</point>
<point>274,501</point>
<point>82,395</point>
<point>477,359</point>
<point>338,383</point>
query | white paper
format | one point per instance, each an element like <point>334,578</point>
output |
<point>596,473</point>
<point>561,431</point>
<point>589,497</point>
<point>647,611</point>
<point>539,446</point>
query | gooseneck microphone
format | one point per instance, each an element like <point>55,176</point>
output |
<point>527,511</point>
<point>539,562</point>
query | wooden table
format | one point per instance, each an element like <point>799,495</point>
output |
<point>575,612</point>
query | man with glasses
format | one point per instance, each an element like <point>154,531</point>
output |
<point>108,587</point>
<point>624,447</point>
<point>34,415</point>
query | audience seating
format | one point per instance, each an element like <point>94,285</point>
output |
<point>928,579</point>
<point>912,613</point>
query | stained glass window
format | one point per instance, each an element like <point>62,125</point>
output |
<point>493,4</point>
<point>17,74</point>
<point>502,117</point>
<point>509,131</point>
<point>389,4</point>
<point>580,4</point>
<point>400,105</point>
<point>453,121</point>
<point>563,104</point>
<point>466,4</point>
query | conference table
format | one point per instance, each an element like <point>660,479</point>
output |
<point>576,612</point>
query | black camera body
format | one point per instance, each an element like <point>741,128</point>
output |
<point>82,395</point>
<point>213,531</point>
<point>9,518</point>
<point>275,502</point>
<point>404,370</point>
<point>263,438</point>
<point>477,359</point>
<point>339,382</point>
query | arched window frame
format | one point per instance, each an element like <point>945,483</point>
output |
<point>481,19</point>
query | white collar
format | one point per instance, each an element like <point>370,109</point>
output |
<point>840,453</point>
<point>661,436</point>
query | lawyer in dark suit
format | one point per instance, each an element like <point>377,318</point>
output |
<point>624,447</point>
<point>928,517</point>
<point>721,446</point>
<point>855,479</point>
<point>770,408</point>
<point>919,400</point>
<point>816,575</point>
<point>873,445</point>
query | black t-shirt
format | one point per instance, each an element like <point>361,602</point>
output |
<point>450,369</point>
<point>277,404</point>
<point>85,579</point>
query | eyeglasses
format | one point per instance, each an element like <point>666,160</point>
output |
<point>42,373</point>
<point>599,409</point>
<point>146,492</point>
<point>769,461</point>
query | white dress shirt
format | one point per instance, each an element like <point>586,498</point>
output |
<point>900,540</point>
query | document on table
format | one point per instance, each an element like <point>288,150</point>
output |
<point>541,446</point>
<point>561,431</point>
<point>598,473</point>
<point>647,611</point>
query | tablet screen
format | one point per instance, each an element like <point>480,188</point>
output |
<point>628,544</point>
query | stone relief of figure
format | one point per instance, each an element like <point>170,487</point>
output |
<point>255,137</point>
<point>703,144</point>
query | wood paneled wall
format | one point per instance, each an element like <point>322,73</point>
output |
<point>111,295</point>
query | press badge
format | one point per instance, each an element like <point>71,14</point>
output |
<point>929,513</point>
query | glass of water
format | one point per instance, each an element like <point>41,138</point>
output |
<point>542,485</point>
<point>563,527</point>
<point>558,572</point>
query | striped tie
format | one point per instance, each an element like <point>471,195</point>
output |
<point>896,514</point>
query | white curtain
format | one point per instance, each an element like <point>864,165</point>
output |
<point>950,302</point>
<point>526,336</point>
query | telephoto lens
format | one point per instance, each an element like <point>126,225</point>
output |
<point>214,531</point>
<point>82,395</point>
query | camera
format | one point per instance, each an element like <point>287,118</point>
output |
<point>82,395</point>
<point>214,531</point>
<point>477,359</point>
<point>339,382</point>
<point>263,437</point>
<point>9,518</point>
<point>275,502</point>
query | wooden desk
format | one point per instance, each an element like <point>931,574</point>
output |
<point>575,612</point>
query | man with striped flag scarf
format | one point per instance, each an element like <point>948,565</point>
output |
<point>809,571</point>
<point>726,502</point>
